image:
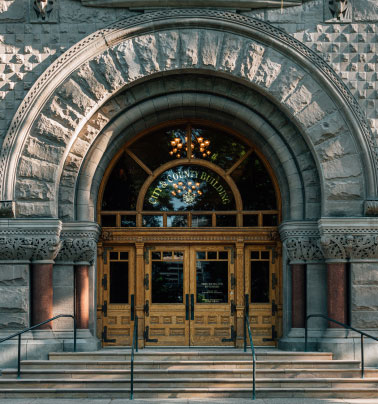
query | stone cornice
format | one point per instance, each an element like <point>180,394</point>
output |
<point>232,4</point>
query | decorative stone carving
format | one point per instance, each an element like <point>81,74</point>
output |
<point>371,208</point>
<point>339,10</point>
<point>303,249</point>
<point>29,240</point>
<point>349,238</point>
<point>233,4</point>
<point>344,247</point>
<point>43,11</point>
<point>45,248</point>
<point>16,248</point>
<point>7,209</point>
<point>79,243</point>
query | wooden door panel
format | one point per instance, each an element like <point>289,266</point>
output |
<point>167,268</point>
<point>210,285</point>
<point>261,277</point>
<point>118,291</point>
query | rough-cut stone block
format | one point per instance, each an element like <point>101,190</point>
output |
<point>14,275</point>
<point>331,126</point>
<point>34,190</point>
<point>269,69</point>
<point>58,110</point>
<point>365,320</point>
<point>108,73</point>
<point>80,147</point>
<point>12,11</point>
<point>336,148</point>
<point>73,94</point>
<point>13,321</point>
<point>364,273</point>
<point>230,54</point>
<point>211,42</point>
<point>189,48</point>
<point>67,195</point>
<point>316,111</point>
<point>51,131</point>
<point>344,167</point>
<point>40,150</point>
<point>365,297</point>
<point>86,78</point>
<point>14,299</point>
<point>35,209</point>
<point>365,10</point>
<point>169,54</point>
<point>147,51</point>
<point>126,56</point>
<point>36,169</point>
<point>343,190</point>
<point>290,78</point>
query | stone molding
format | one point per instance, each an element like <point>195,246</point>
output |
<point>233,4</point>
<point>79,243</point>
<point>331,239</point>
<point>106,39</point>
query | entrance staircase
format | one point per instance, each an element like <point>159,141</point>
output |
<point>184,373</point>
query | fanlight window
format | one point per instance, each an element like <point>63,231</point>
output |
<point>189,176</point>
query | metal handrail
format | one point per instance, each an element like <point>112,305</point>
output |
<point>19,333</point>
<point>248,327</point>
<point>348,327</point>
<point>135,344</point>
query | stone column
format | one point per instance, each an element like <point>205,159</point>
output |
<point>42,294</point>
<point>82,295</point>
<point>79,247</point>
<point>298,279</point>
<point>337,289</point>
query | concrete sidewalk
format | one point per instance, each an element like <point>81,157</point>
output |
<point>194,401</point>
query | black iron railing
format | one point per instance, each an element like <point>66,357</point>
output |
<point>134,346</point>
<point>348,327</point>
<point>247,327</point>
<point>19,333</point>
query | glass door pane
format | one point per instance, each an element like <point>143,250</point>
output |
<point>168,285</point>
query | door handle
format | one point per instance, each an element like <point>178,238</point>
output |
<point>132,307</point>
<point>192,306</point>
<point>186,307</point>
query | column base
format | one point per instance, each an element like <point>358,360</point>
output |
<point>38,344</point>
<point>343,344</point>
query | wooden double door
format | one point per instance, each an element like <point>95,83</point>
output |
<point>189,293</point>
<point>192,295</point>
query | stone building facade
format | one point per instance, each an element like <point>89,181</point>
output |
<point>79,79</point>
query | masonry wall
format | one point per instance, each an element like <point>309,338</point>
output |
<point>29,45</point>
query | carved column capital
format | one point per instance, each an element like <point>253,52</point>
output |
<point>301,241</point>
<point>25,240</point>
<point>79,243</point>
<point>352,239</point>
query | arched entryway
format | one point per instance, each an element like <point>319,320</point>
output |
<point>190,213</point>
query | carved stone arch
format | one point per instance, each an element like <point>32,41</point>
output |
<point>161,109</point>
<point>251,51</point>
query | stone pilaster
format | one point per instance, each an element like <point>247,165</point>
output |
<point>353,240</point>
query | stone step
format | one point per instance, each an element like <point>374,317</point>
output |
<point>195,392</point>
<point>188,383</point>
<point>177,373</point>
<point>195,355</point>
<point>268,364</point>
